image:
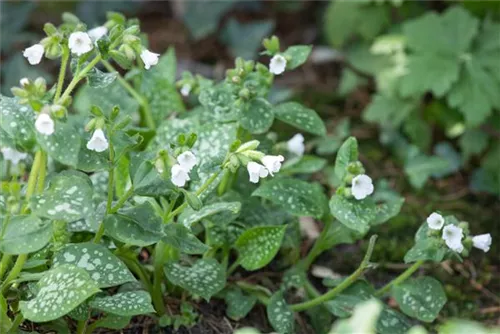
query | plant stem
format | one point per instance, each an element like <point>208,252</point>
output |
<point>148,117</point>
<point>14,272</point>
<point>233,267</point>
<point>15,324</point>
<point>62,72</point>
<point>111,176</point>
<point>4,264</point>
<point>78,77</point>
<point>400,279</point>
<point>122,200</point>
<point>342,286</point>
<point>157,294</point>
<point>42,173</point>
<point>317,248</point>
<point>82,325</point>
<point>32,180</point>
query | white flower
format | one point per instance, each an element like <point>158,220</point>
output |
<point>79,42</point>
<point>96,33</point>
<point>13,155</point>
<point>44,124</point>
<point>277,64</point>
<point>272,163</point>
<point>34,53</point>
<point>435,221</point>
<point>179,175</point>
<point>296,144</point>
<point>256,171</point>
<point>482,241</point>
<point>453,235</point>
<point>24,81</point>
<point>362,186</point>
<point>98,141</point>
<point>185,89</point>
<point>149,58</point>
<point>187,160</point>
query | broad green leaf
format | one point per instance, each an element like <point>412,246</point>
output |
<point>420,167</point>
<point>99,79</point>
<point>295,196</point>
<point>168,131</point>
<point>222,235</point>
<point>113,321</point>
<point>60,290</point>
<point>220,103</point>
<point>259,245</point>
<point>420,298</point>
<point>257,116</point>
<point>461,326</point>
<point>300,117</point>
<point>388,111</point>
<point>254,33</point>
<point>472,142</point>
<point>180,237</point>
<point>189,216</point>
<point>386,210</point>
<point>102,265</point>
<point>17,122</point>
<point>392,322</point>
<point>298,55</point>
<point>202,20</point>
<point>280,315</point>
<point>146,179</point>
<point>343,305</point>
<point>125,304</point>
<point>346,154</point>
<point>63,145</point>
<point>24,234</point>
<point>306,164</point>
<point>204,278</point>
<point>354,214</point>
<point>68,197</point>
<point>238,303</point>
<point>426,250</point>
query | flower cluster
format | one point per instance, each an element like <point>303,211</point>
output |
<point>180,171</point>
<point>270,164</point>
<point>453,235</point>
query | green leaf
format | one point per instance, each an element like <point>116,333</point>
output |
<point>204,278</point>
<point>280,315</point>
<point>180,237</point>
<point>426,250</point>
<point>63,145</point>
<point>188,217</point>
<point>302,118</point>
<point>24,234</point>
<point>68,197</point>
<point>346,154</point>
<point>145,178</point>
<point>420,167</point>
<point>257,116</point>
<point>220,102</point>
<point>99,79</point>
<point>202,20</point>
<point>297,197</point>
<point>298,55</point>
<point>388,111</point>
<point>17,122</point>
<point>59,291</point>
<point>420,298</point>
<point>254,33</point>
<point>238,303</point>
<point>388,209</point>
<point>113,321</point>
<point>473,142</point>
<point>102,265</point>
<point>354,214</point>
<point>125,304</point>
<point>259,245</point>
<point>343,305</point>
<point>306,164</point>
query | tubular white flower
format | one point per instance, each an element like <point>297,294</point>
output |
<point>435,221</point>
<point>187,160</point>
<point>453,235</point>
<point>34,54</point>
<point>256,171</point>
<point>97,33</point>
<point>185,89</point>
<point>272,163</point>
<point>362,186</point>
<point>277,64</point>
<point>44,124</point>
<point>149,58</point>
<point>13,155</point>
<point>24,81</point>
<point>179,175</point>
<point>98,141</point>
<point>296,144</point>
<point>482,241</point>
<point>79,42</point>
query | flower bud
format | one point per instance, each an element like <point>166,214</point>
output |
<point>467,242</point>
<point>19,92</point>
<point>90,125</point>
<point>114,113</point>
<point>244,93</point>
<point>58,111</point>
<point>133,30</point>
<point>355,168</point>
<point>116,17</point>
<point>53,51</point>
<point>128,51</point>
<point>250,145</point>
<point>115,32</point>
<point>49,29</point>
<point>272,45</point>
<point>70,18</point>
<point>254,155</point>
<point>40,85</point>
<point>348,178</point>
<point>120,58</point>
<point>131,39</point>
<point>193,200</point>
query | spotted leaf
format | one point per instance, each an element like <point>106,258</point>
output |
<point>180,237</point>
<point>300,117</point>
<point>63,145</point>
<point>347,153</point>
<point>298,55</point>
<point>205,278</point>
<point>128,303</point>
<point>102,265</point>
<point>189,216</point>
<point>25,234</point>
<point>257,116</point>
<point>60,290</point>
<point>238,303</point>
<point>279,314</point>
<point>259,245</point>
<point>17,122</point>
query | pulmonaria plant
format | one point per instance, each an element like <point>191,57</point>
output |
<point>207,194</point>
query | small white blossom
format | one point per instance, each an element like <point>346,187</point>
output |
<point>45,124</point>
<point>185,89</point>
<point>179,175</point>
<point>98,141</point>
<point>80,43</point>
<point>362,186</point>
<point>272,163</point>
<point>149,58</point>
<point>453,235</point>
<point>34,53</point>
<point>277,64</point>
<point>24,81</point>
<point>187,160</point>
<point>482,241</point>
<point>435,221</point>
<point>96,33</point>
<point>256,171</point>
<point>296,144</point>
<point>13,155</point>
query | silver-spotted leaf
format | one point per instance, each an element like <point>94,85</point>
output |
<point>346,154</point>
<point>300,117</point>
<point>190,216</point>
<point>16,122</point>
<point>63,145</point>
<point>280,315</point>
<point>257,116</point>
<point>25,234</point>
<point>125,304</point>
<point>298,55</point>
<point>180,237</point>
<point>238,303</point>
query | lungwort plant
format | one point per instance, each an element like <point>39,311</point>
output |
<point>114,196</point>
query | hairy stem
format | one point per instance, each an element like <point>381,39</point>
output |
<point>122,200</point>
<point>400,279</point>
<point>111,176</point>
<point>14,272</point>
<point>78,77</point>
<point>33,178</point>
<point>62,72</point>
